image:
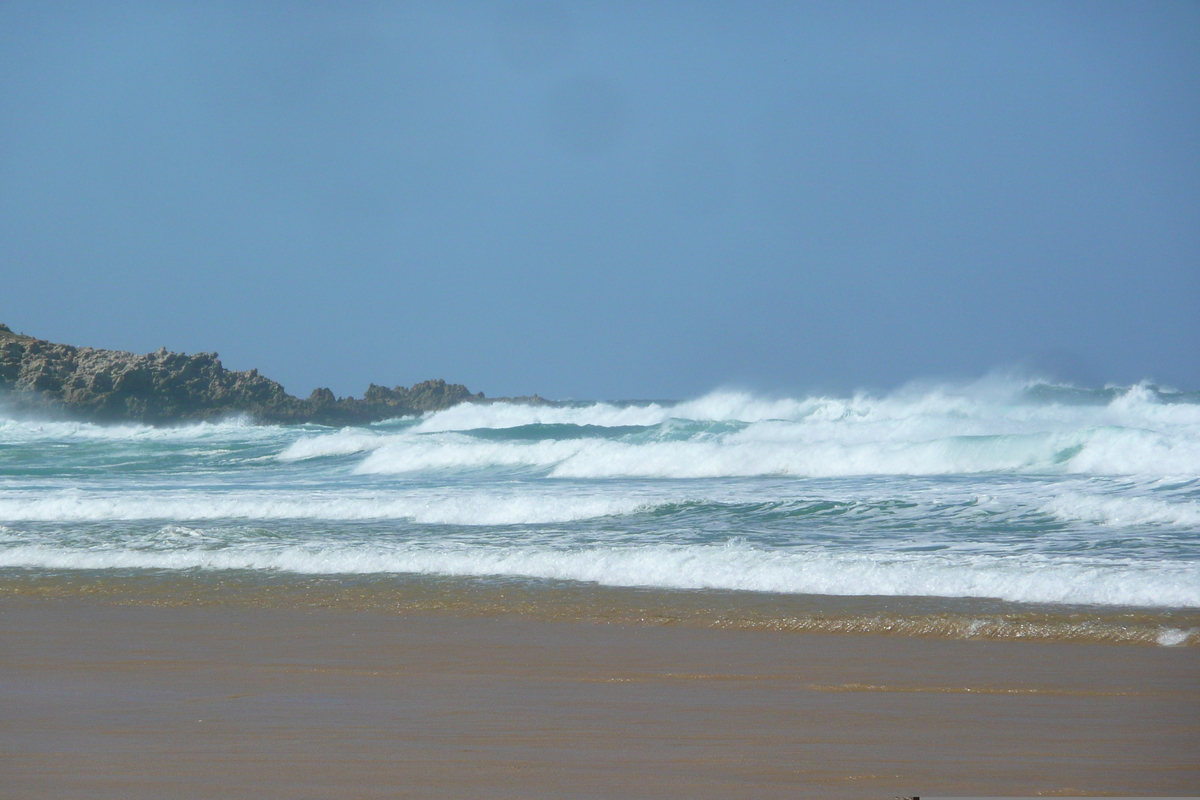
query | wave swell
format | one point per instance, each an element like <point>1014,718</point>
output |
<point>727,567</point>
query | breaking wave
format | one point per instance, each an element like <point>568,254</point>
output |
<point>777,449</point>
<point>1124,511</point>
<point>1021,492</point>
<point>726,434</point>
<point>727,567</point>
<point>479,508</point>
<point>17,431</point>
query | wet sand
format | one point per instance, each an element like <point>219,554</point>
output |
<point>110,701</point>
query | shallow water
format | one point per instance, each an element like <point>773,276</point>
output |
<point>1015,510</point>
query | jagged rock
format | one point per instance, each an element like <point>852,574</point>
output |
<point>164,387</point>
<point>322,397</point>
<point>427,396</point>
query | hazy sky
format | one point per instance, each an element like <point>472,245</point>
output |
<point>608,199</point>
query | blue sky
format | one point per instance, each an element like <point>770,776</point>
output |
<point>607,200</point>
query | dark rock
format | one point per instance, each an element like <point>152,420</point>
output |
<point>165,387</point>
<point>322,397</point>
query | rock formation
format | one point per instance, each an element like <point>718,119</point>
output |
<point>163,387</point>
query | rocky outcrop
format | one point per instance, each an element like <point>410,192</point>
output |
<point>165,387</point>
<point>378,403</point>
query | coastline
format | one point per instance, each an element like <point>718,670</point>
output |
<point>732,596</point>
<point>927,618</point>
<point>150,701</point>
<point>42,379</point>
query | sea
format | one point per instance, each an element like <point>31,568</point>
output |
<point>1000,509</point>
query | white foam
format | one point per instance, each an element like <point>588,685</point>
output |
<point>1123,511</point>
<point>977,430</point>
<point>816,459</point>
<point>476,508</point>
<point>240,428</point>
<point>778,448</point>
<point>340,443</point>
<point>1132,451</point>
<point>454,451</point>
<point>719,406</point>
<point>980,428</point>
<point>733,566</point>
<point>472,416</point>
<point>993,405</point>
<point>1173,637</point>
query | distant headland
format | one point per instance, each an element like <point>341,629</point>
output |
<point>64,381</point>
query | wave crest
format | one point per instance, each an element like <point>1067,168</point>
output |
<point>727,567</point>
<point>728,434</point>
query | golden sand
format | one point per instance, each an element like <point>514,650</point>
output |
<point>105,701</point>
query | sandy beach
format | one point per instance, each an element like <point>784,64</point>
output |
<point>133,701</point>
<point>530,399</point>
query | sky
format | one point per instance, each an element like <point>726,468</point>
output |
<point>609,199</point>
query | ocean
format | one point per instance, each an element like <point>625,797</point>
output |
<point>999,509</point>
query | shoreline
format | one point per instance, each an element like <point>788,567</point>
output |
<point>151,701</point>
<point>927,618</point>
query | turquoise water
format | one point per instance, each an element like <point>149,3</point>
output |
<point>1001,492</point>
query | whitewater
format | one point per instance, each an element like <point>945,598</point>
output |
<point>1017,492</point>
